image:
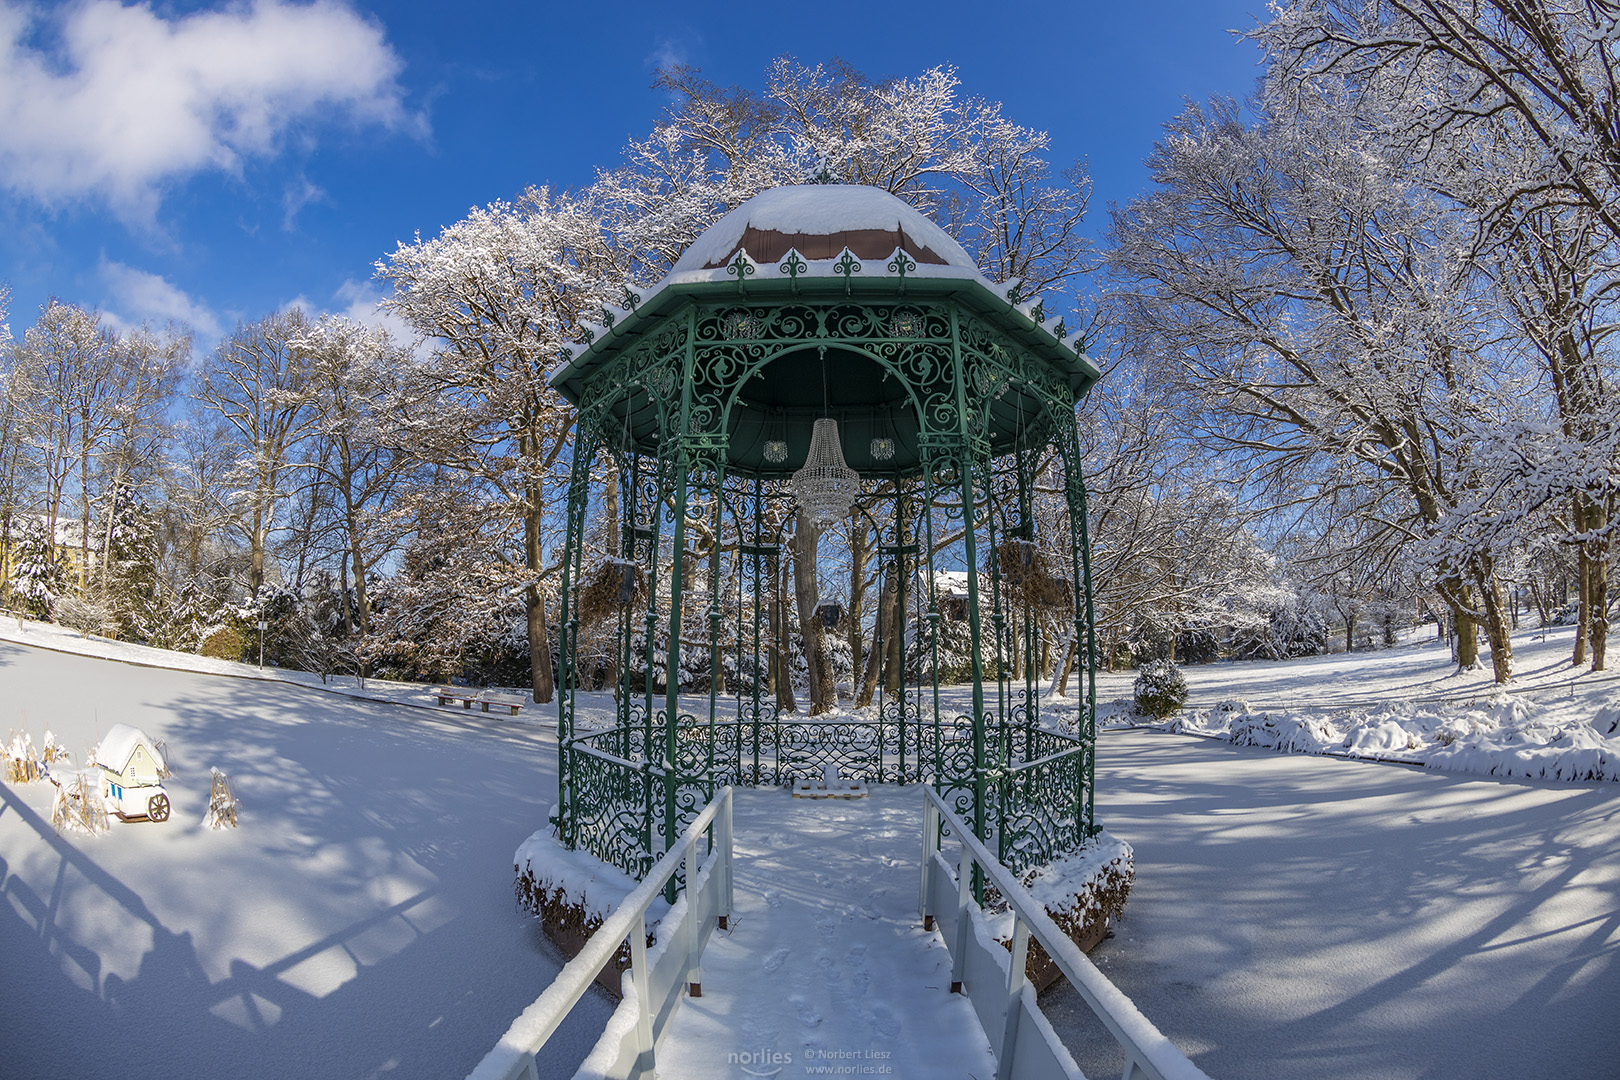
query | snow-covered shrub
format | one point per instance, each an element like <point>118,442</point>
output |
<point>1161,689</point>
<point>224,643</point>
<point>955,651</point>
<point>1300,733</point>
<point>1084,892</point>
<point>1192,647</point>
<point>78,807</point>
<point>54,753</point>
<point>1285,630</point>
<point>87,614</point>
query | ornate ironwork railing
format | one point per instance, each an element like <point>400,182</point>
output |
<point>1037,805</point>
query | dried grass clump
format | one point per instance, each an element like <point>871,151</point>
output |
<point>54,753</point>
<point>22,767</point>
<point>79,807</point>
<point>223,805</point>
<point>617,586</point>
<point>1028,578</point>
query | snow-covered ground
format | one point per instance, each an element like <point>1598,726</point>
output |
<point>1294,915</point>
<point>62,639</point>
<point>1408,704</point>
<point>359,923</point>
<point>1302,916</point>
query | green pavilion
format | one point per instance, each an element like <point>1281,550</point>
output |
<point>823,351</point>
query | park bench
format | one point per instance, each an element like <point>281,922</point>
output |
<point>449,694</point>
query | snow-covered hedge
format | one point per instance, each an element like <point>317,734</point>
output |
<point>1503,736</point>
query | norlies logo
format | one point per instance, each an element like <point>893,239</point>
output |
<point>773,1060</point>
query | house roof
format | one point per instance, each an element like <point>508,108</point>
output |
<point>120,744</point>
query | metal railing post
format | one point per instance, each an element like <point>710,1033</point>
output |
<point>1015,993</point>
<point>964,917</point>
<point>694,958</point>
<point>930,846</point>
<point>643,985</point>
<point>726,840</point>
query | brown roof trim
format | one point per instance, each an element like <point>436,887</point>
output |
<point>768,245</point>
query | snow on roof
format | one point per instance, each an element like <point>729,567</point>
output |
<point>120,743</point>
<point>819,221</point>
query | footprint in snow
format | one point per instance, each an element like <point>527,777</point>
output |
<point>808,1016</point>
<point>870,907</point>
<point>773,899</point>
<point>775,961</point>
<point>885,1021</point>
<point>857,953</point>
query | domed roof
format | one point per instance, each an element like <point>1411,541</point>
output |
<point>819,221</point>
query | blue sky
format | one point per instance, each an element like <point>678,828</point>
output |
<point>214,162</point>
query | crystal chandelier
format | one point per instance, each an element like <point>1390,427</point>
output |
<point>826,487</point>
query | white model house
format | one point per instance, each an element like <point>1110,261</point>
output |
<point>132,772</point>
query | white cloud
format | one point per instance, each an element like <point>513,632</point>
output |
<point>674,50</point>
<point>125,100</point>
<point>362,300</point>
<point>297,195</point>
<point>358,300</point>
<point>141,296</point>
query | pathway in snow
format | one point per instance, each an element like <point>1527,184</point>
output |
<point>826,969</point>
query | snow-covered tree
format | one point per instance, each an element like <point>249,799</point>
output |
<point>258,393</point>
<point>1454,74</point>
<point>352,463</point>
<point>497,296</point>
<point>38,571</point>
<point>1321,315</point>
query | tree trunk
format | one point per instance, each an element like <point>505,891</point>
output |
<point>716,565</point>
<point>781,660</point>
<point>859,554</point>
<point>544,678</point>
<point>1599,590</point>
<point>539,647</point>
<point>1349,633</point>
<point>1065,665</point>
<point>1496,629</point>
<point>894,646</point>
<point>806,591</point>
<point>1465,629</point>
<point>887,599</point>
<point>1583,614</point>
<point>343,594</point>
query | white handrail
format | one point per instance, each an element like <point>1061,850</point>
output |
<point>1148,1052</point>
<point>513,1055</point>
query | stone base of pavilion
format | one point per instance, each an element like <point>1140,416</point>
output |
<point>573,893</point>
<point>1084,893</point>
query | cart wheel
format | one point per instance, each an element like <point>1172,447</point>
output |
<point>157,808</point>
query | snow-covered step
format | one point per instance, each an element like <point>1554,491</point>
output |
<point>825,962</point>
<point>829,785</point>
